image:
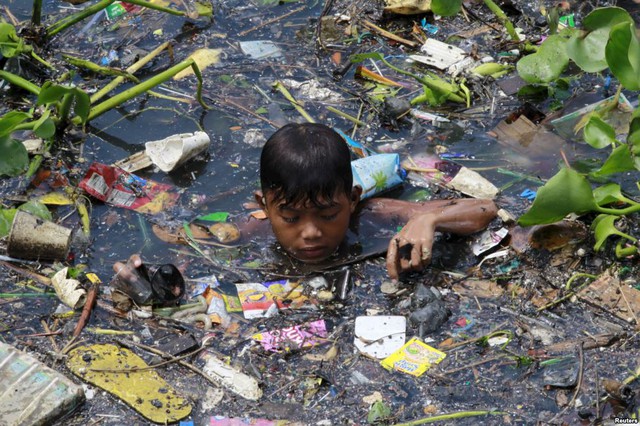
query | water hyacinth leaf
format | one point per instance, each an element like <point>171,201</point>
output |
<point>446,7</point>
<point>10,120</point>
<point>587,49</point>
<point>620,160</point>
<point>378,412</point>
<point>44,126</point>
<point>6,219</point>
<point>14,159</point>
<point>50,93</point>
<point>10,43</point>
<point>36,208</point>
<point>566,192</point>
<point>604,226</point>
<point>82,104</point>
<point>623,55</point>
<point>610,193</point>
<point>547,63</point>
<point>598,133</point>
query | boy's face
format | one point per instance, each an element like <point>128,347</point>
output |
<point>308,232</point>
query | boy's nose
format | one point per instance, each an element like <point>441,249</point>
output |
<point>310,231</point>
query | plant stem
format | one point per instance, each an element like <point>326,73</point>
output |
<point>16,80</point>
<point>619,212</point>
<point>133,68</point>
<point>65,107</point>
<point>36,14</point>
<point>347,116</point>
<point>577,275</point>
<point>451,416</point>
<point>157,7</point>
<point>122,97</point>
<point>280,87</point>
<point>68,21</point>
<point>504,20</point>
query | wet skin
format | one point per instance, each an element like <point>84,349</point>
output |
<point>308,232</point>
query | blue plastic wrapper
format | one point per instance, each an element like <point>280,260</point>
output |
<point>356,148</point>
<point>377,173</point>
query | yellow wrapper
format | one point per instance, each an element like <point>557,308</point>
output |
<point>414,358</point>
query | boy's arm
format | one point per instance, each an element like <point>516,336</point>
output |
<point>459,216</point>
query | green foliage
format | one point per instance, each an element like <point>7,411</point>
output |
<point>547,63</point>
<point>446,7</point>
<point>34,207</point>
<point>623,55</point>
<point>609,40</point>
<point>566,192</point>
<point>378,412</point>
<point>14,159</point>
<point>52,93</point>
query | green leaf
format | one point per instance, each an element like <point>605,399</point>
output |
<point>566,192</point>
<point>587,49</point>
<point>50,93</point>
<point>547,63</point>
<point>610,193</point>
<point>14,159</point>
<point>36,208</point>
<point>623,55</point>
<point>215,217</point>
<point>620,160</point>
<point>378,412</point>
<point>359,57</point>
<point>82,105</point>
<point>10,120</point>
<point>598,133</point>
<point>603,227</point>
<point>446,7</point>
<point>45,127</point>
<point>6,219</point>
<point>10,43</point>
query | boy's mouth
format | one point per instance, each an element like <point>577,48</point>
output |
<point>312,253</point>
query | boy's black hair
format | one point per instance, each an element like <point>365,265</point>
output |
<point>306,162</point>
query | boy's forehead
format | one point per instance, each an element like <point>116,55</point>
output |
<point>306,203</point>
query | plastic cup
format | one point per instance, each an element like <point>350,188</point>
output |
<point>34,238</point>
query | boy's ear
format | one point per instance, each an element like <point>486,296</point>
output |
<point>260,200</point>
<point>356,193</point>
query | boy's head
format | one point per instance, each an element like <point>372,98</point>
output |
<point>305,174</point>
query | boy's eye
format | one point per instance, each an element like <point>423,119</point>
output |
<point>330,217</point>
<point>293,219</point>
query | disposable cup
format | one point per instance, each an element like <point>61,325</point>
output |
<point>34,238</point>
<point>175,150</point>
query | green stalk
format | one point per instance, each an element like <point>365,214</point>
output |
<point>577,275</point>
<point>16,295</point>
<point>432,83</point>
<point>131,93</point>
<point>68,21</point>
<point>451,416</point>
<point>35,56</point>
<point>82,63</point>
<point>133,68</point>
<point>16,80</point>
<point>347,116</point>
<point>36,14</point>
<point>504,20</point>
<point>65,107</point>
<point>625,251</point>
<point>619,212</point>
<point>280,87</point>
<point>156,7</point>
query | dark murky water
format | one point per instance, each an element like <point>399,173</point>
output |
<point>225,178</point>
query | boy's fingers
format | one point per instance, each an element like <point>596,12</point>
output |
<point>392,259</point>
<point>416,257</point>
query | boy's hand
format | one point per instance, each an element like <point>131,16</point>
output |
<point>416,237</point>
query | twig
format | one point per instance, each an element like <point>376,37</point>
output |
<point>169,356</point>
<point>40,278</point>
<point>578,386</point>
<point>389,35</point>
<point>626,301</point>
<point>475,364</point>
<point>271,21</point>
<point>148,367</point>
<point>452,416</point>
<point>92,295</point>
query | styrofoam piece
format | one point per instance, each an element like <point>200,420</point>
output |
<point>31,392</point>
<point>439,54</point>
<point>380,335</point>
<point>230,378</point>
<point>260,49</point>
<point>175,150</point>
